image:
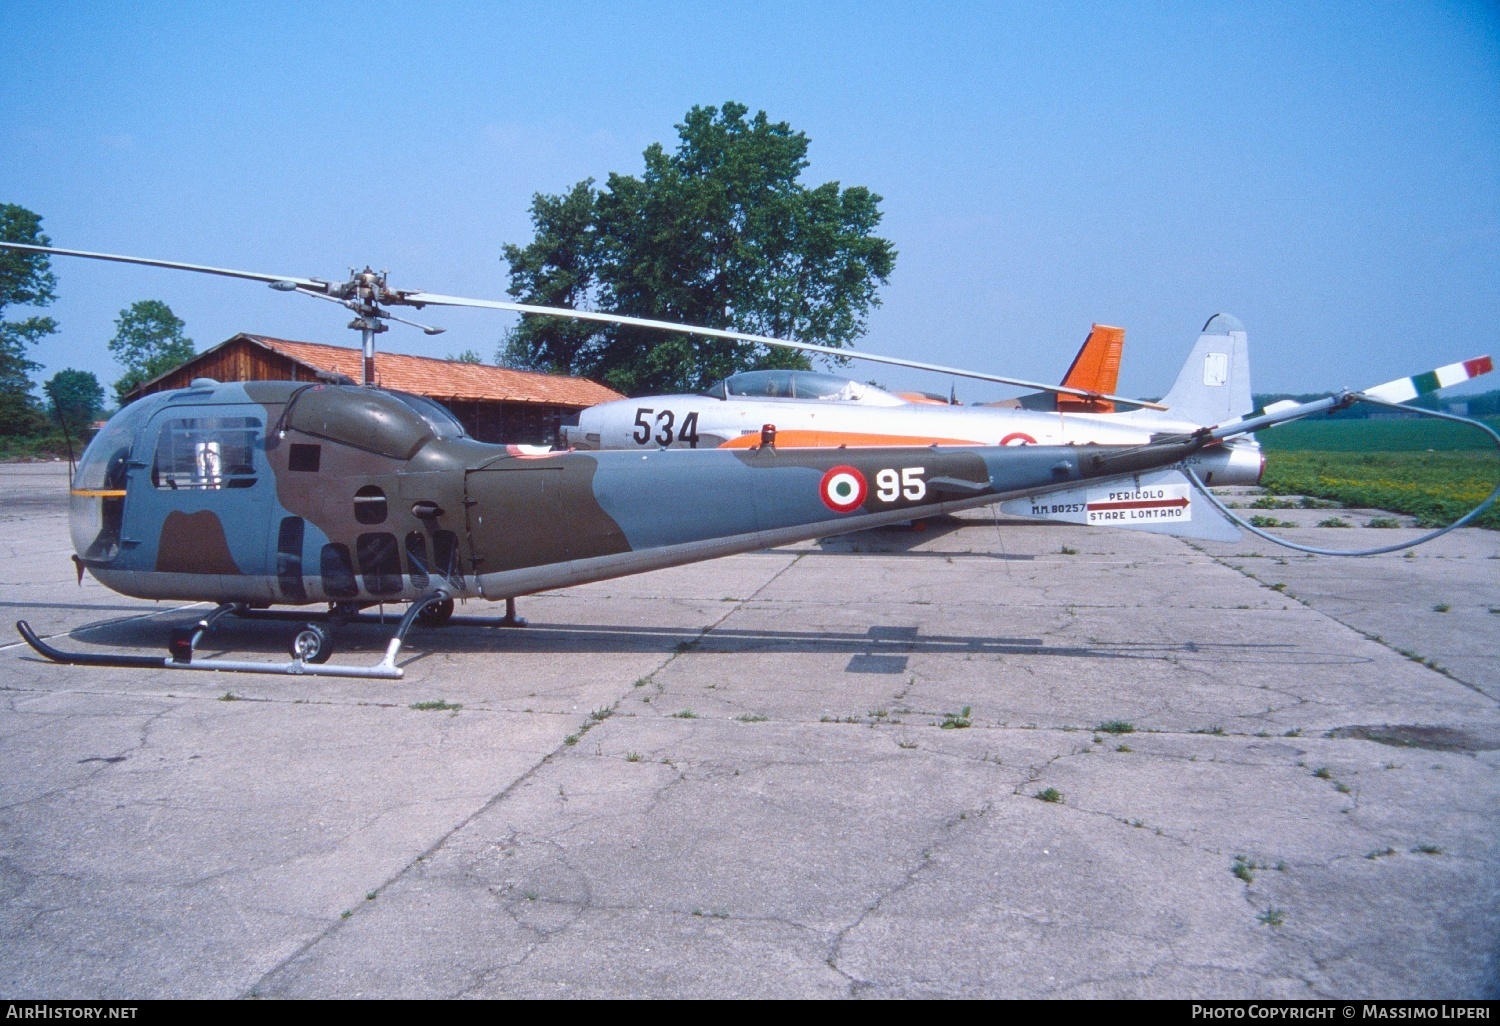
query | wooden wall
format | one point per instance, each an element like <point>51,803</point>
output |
<point>238,361</point>
<point>511,423</point>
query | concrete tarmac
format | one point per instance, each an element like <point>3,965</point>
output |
<point>816,771</point>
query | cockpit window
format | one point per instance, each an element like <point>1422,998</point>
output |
<point>444,424</point>
<point>787,384</point>
<point>206,453</point>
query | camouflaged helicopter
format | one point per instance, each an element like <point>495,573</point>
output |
<point>272,493</point>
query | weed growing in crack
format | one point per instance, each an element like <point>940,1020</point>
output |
<point>1068,550</point>
<point>1442,607</point>
<point>1294,732</point>
<point>641,682</point>
<point>1427,849</point>
<point>601,714</point>
<point>1341,787</point>
<point>1380,854</point>
<point>1244,868</point>
<point>1116,727</point>
<point>956,721</point>
<point>530,895</point>
<point>1050,794</point>
<point>436,706</point>
<point>752,717</point>
<point>229,696</point>
<point>346,913</point>
<point>906,744</point>
<point>370,895</point>
<point>1272,917</point>
<point>1215,730</point>
<point>685,714</point>
<point>572,739</point>
<point>1124,748</point>
<point>1323,773</point>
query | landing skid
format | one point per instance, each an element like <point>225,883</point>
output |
<point>305,650</point>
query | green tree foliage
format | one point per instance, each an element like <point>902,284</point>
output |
<point>74,397</point>
<point>467,356</point>
<point>719,233</point>
<point>148,341</point>
<point>25,280</point>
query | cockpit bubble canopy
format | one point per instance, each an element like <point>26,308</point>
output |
<point>799,384</point>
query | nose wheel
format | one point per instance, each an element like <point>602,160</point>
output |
<point>312,644</point>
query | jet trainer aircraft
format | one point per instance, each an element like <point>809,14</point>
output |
<point>813,410</point>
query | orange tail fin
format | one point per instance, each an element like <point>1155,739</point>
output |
<point>1096,368</point>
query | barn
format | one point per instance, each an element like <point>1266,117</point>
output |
<point>495,404</point>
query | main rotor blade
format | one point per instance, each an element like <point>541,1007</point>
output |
<point>428,298</point>
<point>1402,390</point>
<point>312,283</point>
<point>420,299</point>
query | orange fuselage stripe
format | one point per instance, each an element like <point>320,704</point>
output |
<point>834,439</point>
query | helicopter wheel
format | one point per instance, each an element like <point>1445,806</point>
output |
<point>436,614</point>
<point>312,644</point>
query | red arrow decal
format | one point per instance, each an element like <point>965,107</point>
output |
<point>1141,504</point>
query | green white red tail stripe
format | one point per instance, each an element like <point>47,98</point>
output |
<point>1407,389</point>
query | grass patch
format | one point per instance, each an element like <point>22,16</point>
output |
<point>685,714</point>
<point>436,706</point>
<point>1334,522</point>
<point>1243,868</point>
<point>1050,794</point>
<point>1116,727</point>
<point>956,721</point>
<point>1435,487</point>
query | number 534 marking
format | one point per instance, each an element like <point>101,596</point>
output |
<point>891,485</point>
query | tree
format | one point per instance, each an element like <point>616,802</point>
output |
<point>719,233</point>
<point>25,280</point>
<point>148,342</point>
<point>74,397</point>
<point>467,356</point>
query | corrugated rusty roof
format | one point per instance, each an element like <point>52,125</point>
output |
<point>446,379</point>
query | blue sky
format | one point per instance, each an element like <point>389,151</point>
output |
<point>1329,172</point>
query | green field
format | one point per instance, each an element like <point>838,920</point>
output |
<point>1429,469</point>
<point>1377,436</point>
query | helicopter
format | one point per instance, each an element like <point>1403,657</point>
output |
<point>275,493</point>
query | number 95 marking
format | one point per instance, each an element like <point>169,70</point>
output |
<point>890,486</point>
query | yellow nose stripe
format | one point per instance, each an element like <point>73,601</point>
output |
<point>98,493</point>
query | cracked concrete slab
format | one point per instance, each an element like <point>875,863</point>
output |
<point>818,771</point>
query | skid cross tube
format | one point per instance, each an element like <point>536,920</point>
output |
<point>186,642</point>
